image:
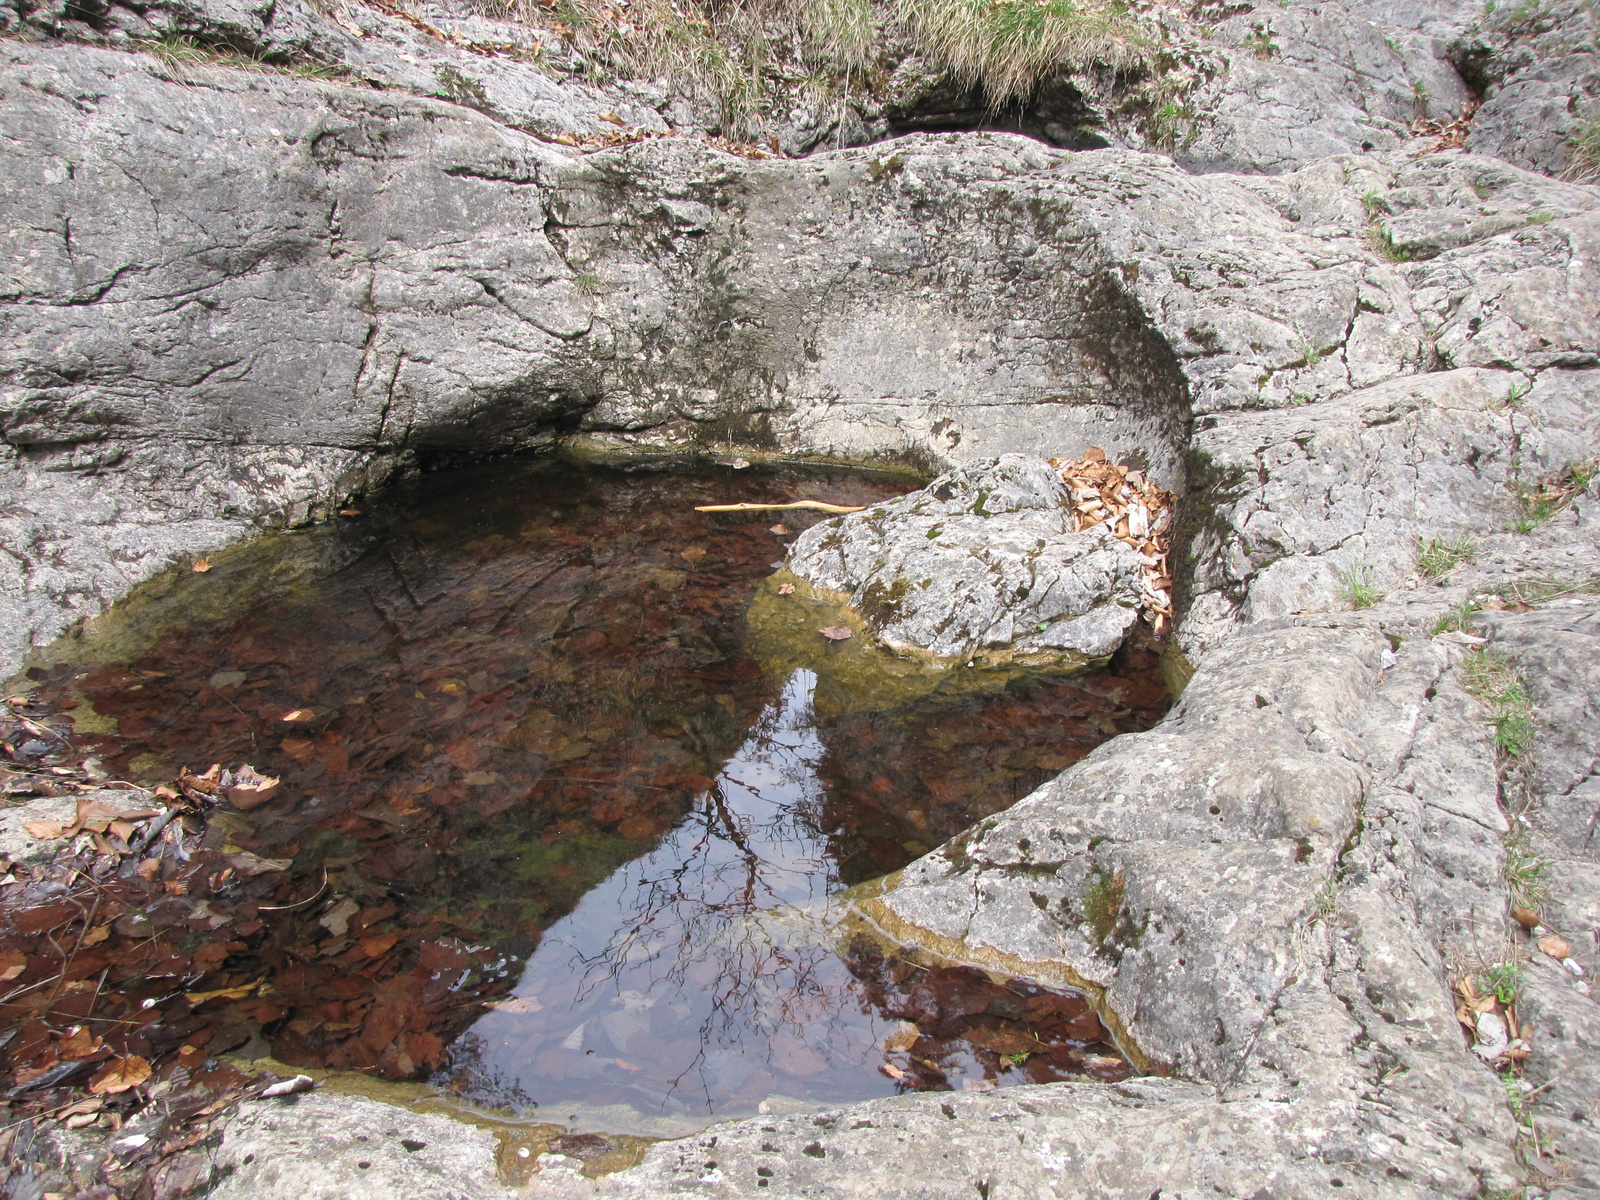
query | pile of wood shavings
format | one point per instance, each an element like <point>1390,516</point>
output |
<point>1133,510</point>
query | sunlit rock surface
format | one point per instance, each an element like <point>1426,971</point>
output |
<point>981,563</point>
<point>1336,343</point>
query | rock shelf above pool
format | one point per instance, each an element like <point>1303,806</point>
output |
<point>981,566</point>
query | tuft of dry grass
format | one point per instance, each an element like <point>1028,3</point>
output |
<point>739,53</point>
<point>1583,160</point>
<point>1006,46</point>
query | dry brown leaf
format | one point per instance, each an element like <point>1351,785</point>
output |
<point>81,1043</point>
<point>233,993</point>
<point>892,1071</point>
<point>779,529</point>
<point>786,589</point>
<point>12,964</point>
<point>836,633</point>
<point>298,714</point>
<point>297,747</point>
<point>377,944</point>
<point>93,810</point>
<point>902,1037</point>
<point>93,937</point>
<point>86,1107</point>
<point>1555,947</point>
<point>45,830</point>
<point>119,1075</point>
<point>517,1005</point>
<point>251,789</point>
<point>1002,1041</point>
<point>693,554</point>
<point>250,865</point>
<point>201,565</point>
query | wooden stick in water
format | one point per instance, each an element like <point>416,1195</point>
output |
<point>819,505</point>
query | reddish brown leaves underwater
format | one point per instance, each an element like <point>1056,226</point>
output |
<point>955,1019</point>
<point>476,721</point>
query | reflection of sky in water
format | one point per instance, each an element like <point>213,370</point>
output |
<point>698,980</point>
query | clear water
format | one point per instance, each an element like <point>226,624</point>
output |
<point>590,848</point>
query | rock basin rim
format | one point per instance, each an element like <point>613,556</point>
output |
<point>1368,361</point>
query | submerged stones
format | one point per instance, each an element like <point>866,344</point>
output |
<point>981,566</point>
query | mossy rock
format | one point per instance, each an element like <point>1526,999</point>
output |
<point>861,674</point>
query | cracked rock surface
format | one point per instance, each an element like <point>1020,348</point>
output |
<point>982,561</point>
<point>233,297</point>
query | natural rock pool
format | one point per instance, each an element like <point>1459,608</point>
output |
<point>554,828</point>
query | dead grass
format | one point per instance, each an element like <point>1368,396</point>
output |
<point>1583,161</point>
<point>741,54</point>
<point>1006,46</point>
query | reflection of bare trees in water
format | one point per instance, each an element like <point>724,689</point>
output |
<point>725,922</point>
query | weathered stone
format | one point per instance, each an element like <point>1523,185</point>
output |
<point>20,846</point>
<point>1557,651</point>
<point>319,1146</point>
<point>1538,67</point>
<point>981,564</point>
<point>236,295</point>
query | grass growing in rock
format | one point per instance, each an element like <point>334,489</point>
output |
<point>1456,620</point>
<point>178,51</point>
<point>1551,495</point>
<point>1385,247</point>
<point>1495,681</point>
<point>1583,161</point>
<point>1437,557</point>
<point>1357,587</point>
<point>740,53</point>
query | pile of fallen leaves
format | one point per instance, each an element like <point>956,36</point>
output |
<point>1445,135</point>
<point>1132,509</point>
<point>148,946</point>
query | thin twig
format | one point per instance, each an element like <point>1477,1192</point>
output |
<point>817,505</point>
<point>297,903</point>
<point>154,830</point>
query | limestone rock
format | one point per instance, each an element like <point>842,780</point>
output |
<point>981,562</point>
<point>1539,70</point>
<point>318,1146</point>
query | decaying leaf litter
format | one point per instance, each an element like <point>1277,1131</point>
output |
<point>1127,503</point>
<point>310,940</point>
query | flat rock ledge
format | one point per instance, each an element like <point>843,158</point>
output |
<point>981,565</point>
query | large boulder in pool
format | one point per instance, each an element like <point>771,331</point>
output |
<point>981,565</point>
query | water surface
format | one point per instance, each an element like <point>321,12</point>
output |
<point>583,852</point>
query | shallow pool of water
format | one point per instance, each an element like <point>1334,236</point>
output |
<point>583,852</point>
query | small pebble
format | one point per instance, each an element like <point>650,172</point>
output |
<point>1572,965</point>
<point>1583,988</point>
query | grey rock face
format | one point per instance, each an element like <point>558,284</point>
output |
<point>520,75</point>
<point>983,559</point>
<point>1539,69</point>
<point>326,1147</point>
<point>1557,651</point>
